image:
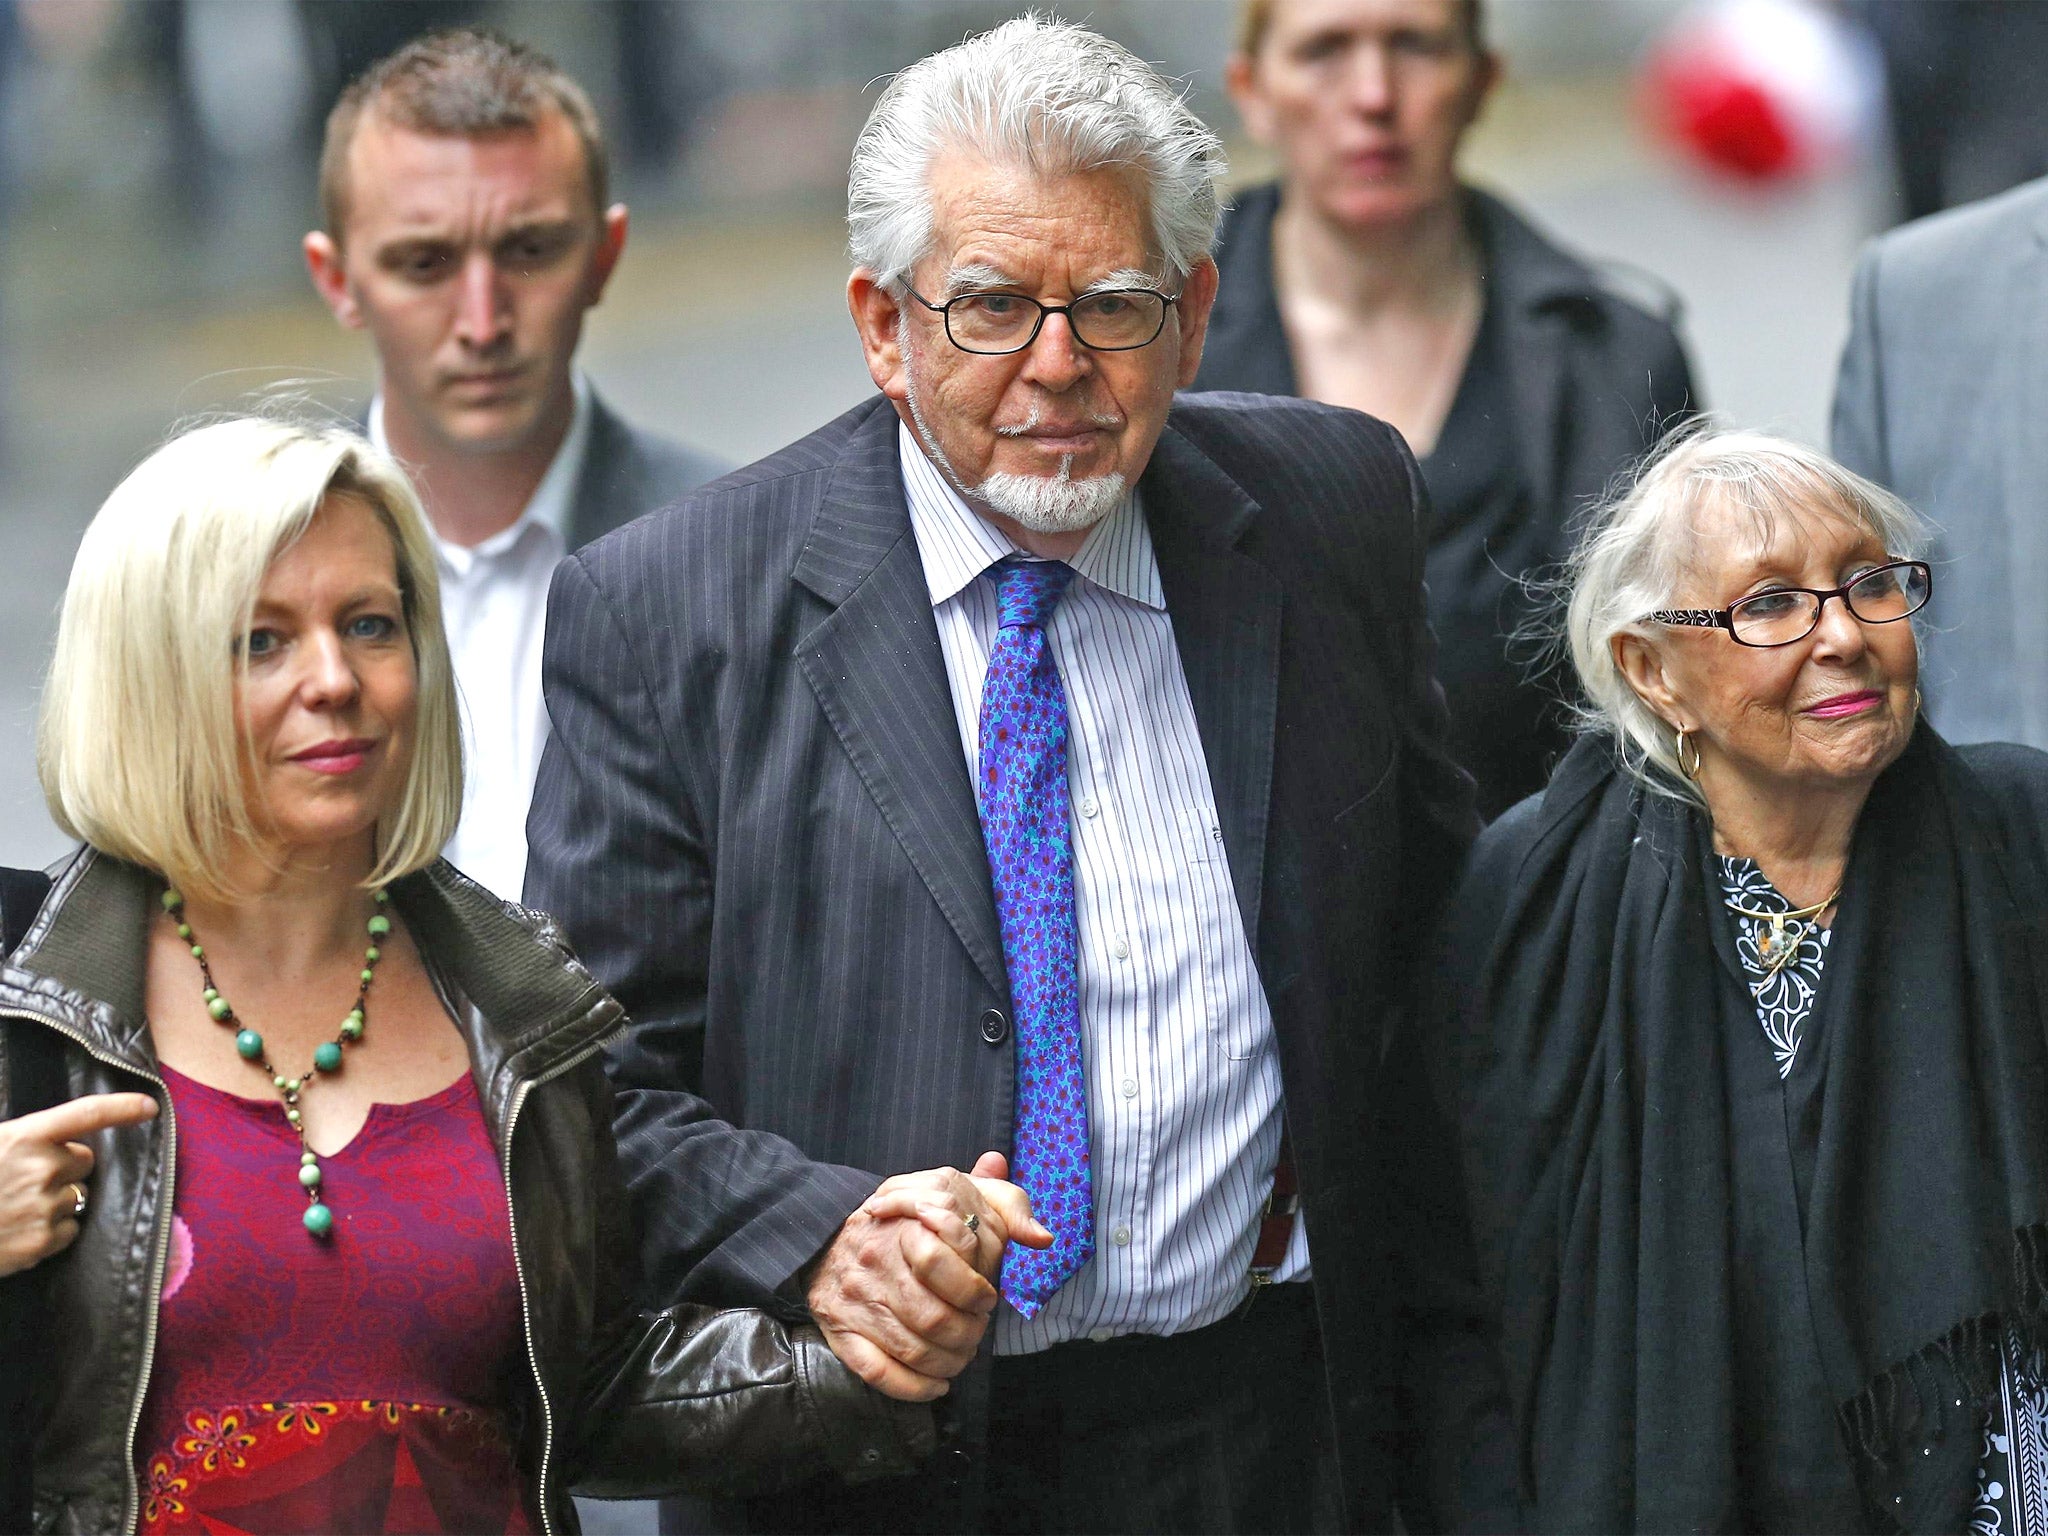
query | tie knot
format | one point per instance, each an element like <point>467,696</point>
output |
<point>1027,591</point>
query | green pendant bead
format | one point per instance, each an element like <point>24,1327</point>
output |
<point>250,1044</point>
<point>309,1158</point>
<point>351,1028</point>
<point>198,952</point>
<point>309,1176</point>
<point>368,977</point>
<point>327,1057</point>
<point>379,926</point>
<point>373,954</point>
<point>382,897</point>
<point>294,1116</point>
<point>291,1085</point>
<point>171,899</point>
<point>319,1220</point>
<point>218,1007</point>
<point>185,932</point>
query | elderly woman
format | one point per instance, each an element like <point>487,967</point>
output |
<point>1370,275</point>
<point>1748,1016</point>
<point>365,1268</point>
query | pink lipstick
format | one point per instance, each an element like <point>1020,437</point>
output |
<point>1843,705</point>
<point>336,757</point>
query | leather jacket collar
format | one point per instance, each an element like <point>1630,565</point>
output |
<point>532,1006</point>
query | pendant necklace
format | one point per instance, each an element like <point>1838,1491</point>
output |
<point>319,1219</point>
<point>1774,948</point>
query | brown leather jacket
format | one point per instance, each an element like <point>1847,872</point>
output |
<point>615,1401</point>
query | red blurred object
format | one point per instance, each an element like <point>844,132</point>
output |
<point>1762,91</point>
<point>1732,124</point>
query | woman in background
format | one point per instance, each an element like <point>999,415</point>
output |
<point>1370,276</point>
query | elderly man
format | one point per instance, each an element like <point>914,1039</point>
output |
<point>467,228</point>
<point>1029,760</point>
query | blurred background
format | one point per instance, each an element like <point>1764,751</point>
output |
<point>156,173</point>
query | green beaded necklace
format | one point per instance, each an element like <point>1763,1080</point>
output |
<point>326,1056</point>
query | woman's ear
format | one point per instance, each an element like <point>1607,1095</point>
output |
<point>1642,666</point>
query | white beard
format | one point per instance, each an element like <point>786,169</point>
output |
<point>1043,504</point>
<point>1056,504</point>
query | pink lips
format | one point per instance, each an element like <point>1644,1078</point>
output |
<point>336,757</point>
<point>1842,705</point>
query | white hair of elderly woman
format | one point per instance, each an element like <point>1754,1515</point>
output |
<point>1040,93</point>
<point>1636,546</point>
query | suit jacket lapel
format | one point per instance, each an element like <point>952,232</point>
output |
<point>879,675</point>
<point>1226,610</point>
<point>609,487</point>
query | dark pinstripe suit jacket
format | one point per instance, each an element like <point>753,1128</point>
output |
<point>755,820</point>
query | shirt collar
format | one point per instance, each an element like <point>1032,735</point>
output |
<point>957,544</point>
<point>550,504</point>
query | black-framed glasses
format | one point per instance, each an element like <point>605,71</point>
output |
<point>1884,594</point>
<point>994,324</point>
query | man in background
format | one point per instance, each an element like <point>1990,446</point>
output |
<point>466,226</point>
<point>1942,395</point>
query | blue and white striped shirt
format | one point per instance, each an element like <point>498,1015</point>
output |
<point>1184,1101</point>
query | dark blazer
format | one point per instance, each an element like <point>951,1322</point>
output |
<point>628,472</point>
<point>1595,377</point>
<point>755,819</point>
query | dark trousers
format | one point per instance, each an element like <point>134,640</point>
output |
<point>1223,1430</point>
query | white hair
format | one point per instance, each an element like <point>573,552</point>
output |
<point>1044,95</point>
<point>1638,545</point>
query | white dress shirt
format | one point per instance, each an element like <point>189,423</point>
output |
<point>494,602</point>
<point>1184,1101</point>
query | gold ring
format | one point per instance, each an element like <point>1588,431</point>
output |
<point>77,1201</point>
<point>973,1220</point>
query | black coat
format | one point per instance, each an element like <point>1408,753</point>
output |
<point>755,818</point>
<point>1587,382</point>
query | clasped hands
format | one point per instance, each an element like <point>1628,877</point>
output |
<point>905,1291</point>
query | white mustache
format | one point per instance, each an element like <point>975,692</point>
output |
<point>1030,424</point>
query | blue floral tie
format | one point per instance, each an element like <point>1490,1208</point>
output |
<point>1031,859</point>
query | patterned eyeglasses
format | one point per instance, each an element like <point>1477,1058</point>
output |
<point>1883,594</point>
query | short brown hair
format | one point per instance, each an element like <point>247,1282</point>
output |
<point>1255,18</point>
<point>461,82</point>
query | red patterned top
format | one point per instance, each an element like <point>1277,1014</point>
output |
<point>355,1383</point>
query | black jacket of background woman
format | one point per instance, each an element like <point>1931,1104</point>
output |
<point>1588,379</point>
<point>615,1401</point>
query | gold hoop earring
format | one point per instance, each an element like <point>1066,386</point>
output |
<point>1690,769</point>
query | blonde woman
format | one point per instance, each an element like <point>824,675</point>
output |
<point>366,1268</point>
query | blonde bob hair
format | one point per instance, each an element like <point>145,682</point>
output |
<point>1637,546</point>
<point>138,748</point>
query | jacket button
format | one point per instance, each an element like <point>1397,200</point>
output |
<point>995,1029</point>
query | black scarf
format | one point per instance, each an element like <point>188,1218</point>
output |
<point>1597,1106</point>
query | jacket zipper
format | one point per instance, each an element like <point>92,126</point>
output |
<point>540,1386</point>
<point>133,1516</point>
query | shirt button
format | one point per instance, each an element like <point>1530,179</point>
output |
<point>1121,948</point>
<point>1215,834</point>
<point>995,1029</point>
<point>1089,809</point>
<point>1130,1087</point>
<point>1101,1335</point>
<point>1121,1237</point>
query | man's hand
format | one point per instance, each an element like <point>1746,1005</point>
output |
<point>43,1168</point>
<point>905,1291</point>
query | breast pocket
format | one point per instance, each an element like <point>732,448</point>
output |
<point>1236,1018</point>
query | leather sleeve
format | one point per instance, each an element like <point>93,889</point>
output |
<point>699,1399</point>
<point>621,853</point>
